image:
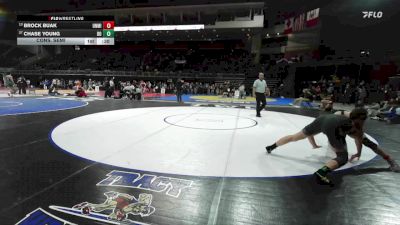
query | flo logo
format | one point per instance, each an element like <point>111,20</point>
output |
<point>372,14</point>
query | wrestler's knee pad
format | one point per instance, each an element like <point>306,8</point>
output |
<point>369,143</point>
<point>341,158</point>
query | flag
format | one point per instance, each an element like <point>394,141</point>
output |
<point>288,26</point>
<point>299,23</point>
<point>312,17</point>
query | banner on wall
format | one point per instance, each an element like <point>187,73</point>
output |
<point>301,21</point>
<point>289,25</point>
<point>312,18</point>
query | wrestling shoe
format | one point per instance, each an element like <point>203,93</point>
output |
<point>270,148</point>
<point>394,166</point>
<point>322,180</point>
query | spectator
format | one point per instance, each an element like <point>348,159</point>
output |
<point>9,83</point>
<point>242,92</point>
<point>21,84</point>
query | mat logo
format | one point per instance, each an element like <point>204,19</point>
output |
<point>42,217</point>
<point>116,209</point>
<point>171,186</point>
<point>372,14</point>
<point>224,106</point>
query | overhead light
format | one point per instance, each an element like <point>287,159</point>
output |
<point>160,27</point>
<point>267,35</point>
<point>277,33</point>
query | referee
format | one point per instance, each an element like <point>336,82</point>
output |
<point>260,90</point>
<point>179,90</point>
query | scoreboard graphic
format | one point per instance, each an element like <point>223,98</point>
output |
<point>65,30</point>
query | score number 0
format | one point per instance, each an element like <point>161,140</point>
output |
<point>108,25</point>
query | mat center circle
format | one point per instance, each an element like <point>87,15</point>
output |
<point>157,139</point>
<point>210,121</point>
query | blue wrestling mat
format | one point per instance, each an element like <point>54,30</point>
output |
<point>15,106</point>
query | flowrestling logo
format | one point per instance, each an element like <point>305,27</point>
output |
<point>372,14</point>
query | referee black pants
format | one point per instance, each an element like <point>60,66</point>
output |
<point>179,96</point>
<point>261,102</point>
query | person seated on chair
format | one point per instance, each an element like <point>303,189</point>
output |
<point>53,90</point>
<point>129,91</point>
